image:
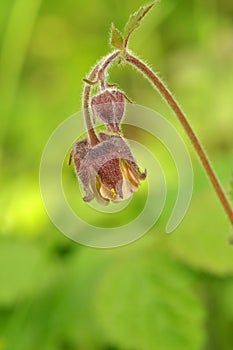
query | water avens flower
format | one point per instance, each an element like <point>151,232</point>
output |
<point>104,163</point>
<point>108,170</point>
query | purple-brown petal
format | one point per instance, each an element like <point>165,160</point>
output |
<point>79,152</point>
<point>109,106</point>
<point>119,105</point>
<point>135,172</point>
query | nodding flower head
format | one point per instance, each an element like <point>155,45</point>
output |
<point>108,171</point>
<point>109,106</point>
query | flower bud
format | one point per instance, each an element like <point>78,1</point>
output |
<point>109,106</point>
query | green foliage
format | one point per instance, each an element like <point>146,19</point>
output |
<point>135,20</point>
<point>214,252</point>
<point>117,40</point>
<point>120,41</point>
<point>138,304</point>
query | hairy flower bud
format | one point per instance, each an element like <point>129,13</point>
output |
<point>109,106</point>
<point>108,171</point>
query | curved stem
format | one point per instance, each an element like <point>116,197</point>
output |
<point>99,70</point>
<point>86,96</point>
<point>155,80</point>
<point>109,59</point>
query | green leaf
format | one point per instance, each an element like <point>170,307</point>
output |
<point>135,20</point>
<point>137,297</point>
<point>148,302</point>
<point>117,40</point>
<point>150,296</point>
<point>201,239</point>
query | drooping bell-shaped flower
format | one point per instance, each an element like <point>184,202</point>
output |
<point>109,106</point>
<point>108,171</point>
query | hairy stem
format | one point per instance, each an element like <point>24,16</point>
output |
<point>159,85</point>
<point>104,66</point>
<point>99,71</point>
<point>86,96</point>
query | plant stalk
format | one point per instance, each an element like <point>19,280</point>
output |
<point>159,85</point>
<point>99,71</point>
<point>86,97</point>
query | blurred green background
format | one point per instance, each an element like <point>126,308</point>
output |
<point>161,292</point>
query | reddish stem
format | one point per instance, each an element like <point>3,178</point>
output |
<point>99,70</point>
<point>106,63</point>
<point>86,96</point>
<point>152,77</point>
